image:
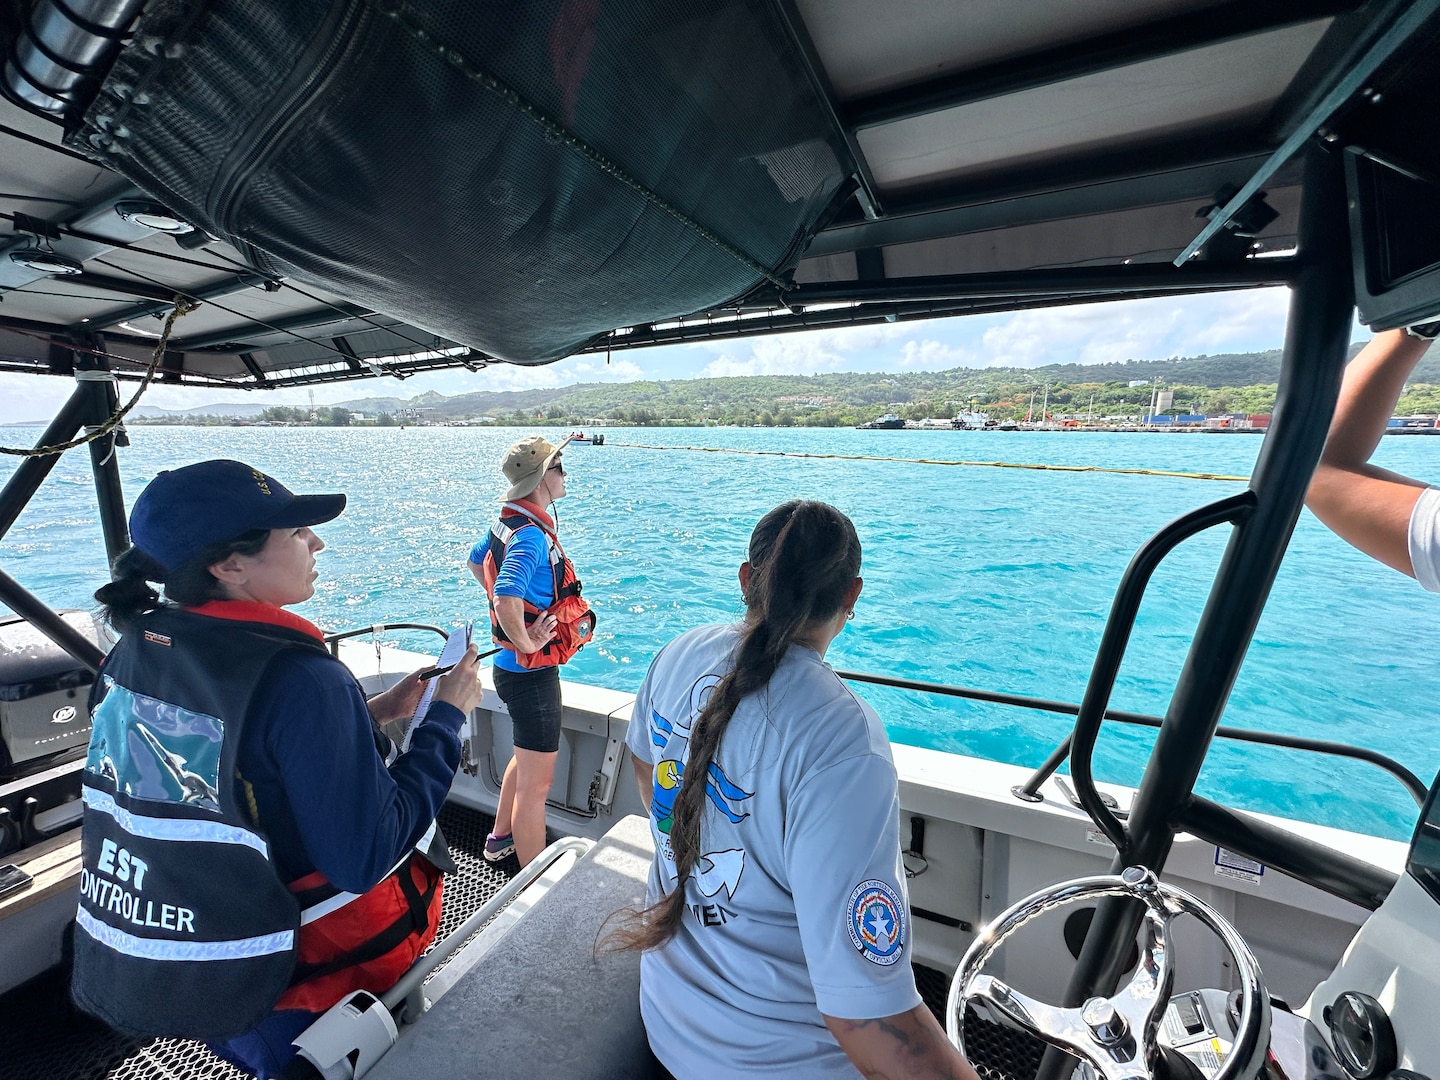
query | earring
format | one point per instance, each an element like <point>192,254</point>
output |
<point>850,615</point>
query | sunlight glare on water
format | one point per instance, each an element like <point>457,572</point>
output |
<point>983,577</point>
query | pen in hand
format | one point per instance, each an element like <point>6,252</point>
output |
<point>430,673</point>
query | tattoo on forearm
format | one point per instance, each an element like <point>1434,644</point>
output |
<point>912,1048</point>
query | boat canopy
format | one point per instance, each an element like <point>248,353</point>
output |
<point>352,188</point>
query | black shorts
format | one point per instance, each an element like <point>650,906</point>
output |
<point>533,698</point>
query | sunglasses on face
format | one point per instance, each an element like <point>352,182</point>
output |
<point>557,467</point>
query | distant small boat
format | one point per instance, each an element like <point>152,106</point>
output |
<point>587,440</point>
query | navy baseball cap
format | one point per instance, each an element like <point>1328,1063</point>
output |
<point>183,512</point>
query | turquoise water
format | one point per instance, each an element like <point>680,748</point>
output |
<point>995,578</point>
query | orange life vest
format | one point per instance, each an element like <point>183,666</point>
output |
<point>366,941</point>
<point>350,942</point>
<point>574,621</point>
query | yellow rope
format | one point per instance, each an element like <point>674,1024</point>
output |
<point>937,461</point>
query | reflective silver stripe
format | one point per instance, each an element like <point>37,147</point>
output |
<point>183,829</point>
<point>339,900</point>
<point>165,949</point>
<point>325,907</point>
<point>552,545</point>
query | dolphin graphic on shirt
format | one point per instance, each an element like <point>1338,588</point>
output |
<point>672,737</point>
<point>669,774</point>
<point>716,870</point>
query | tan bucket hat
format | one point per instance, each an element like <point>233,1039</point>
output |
<point>525,464</point>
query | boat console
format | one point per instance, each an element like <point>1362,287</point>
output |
<point>977,848</point>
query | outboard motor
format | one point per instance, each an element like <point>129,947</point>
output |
<point>44,729</point>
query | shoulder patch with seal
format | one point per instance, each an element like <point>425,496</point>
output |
<point>876,921</point>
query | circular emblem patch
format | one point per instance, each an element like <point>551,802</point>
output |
<point>877,922</point>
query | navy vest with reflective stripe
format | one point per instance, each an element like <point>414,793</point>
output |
<point>184,927</point>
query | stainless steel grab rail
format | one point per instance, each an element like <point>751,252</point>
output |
<point>409,991</point>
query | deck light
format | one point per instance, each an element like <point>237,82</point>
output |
<point>136,330</point>
<point>196,239</point>
<point>46,261</point>
<point>152,215</point>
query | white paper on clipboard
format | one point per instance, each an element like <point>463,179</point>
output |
<point>455,646</point>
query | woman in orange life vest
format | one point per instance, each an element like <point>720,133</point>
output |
<point>539,618</point>
<point>347,824</point>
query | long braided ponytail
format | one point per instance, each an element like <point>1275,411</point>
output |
<point>804,556</point>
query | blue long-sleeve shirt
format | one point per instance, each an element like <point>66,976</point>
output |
<point>526,573</point>
<point>326,801</point>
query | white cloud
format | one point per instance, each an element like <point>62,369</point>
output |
<point>1139,329</point>
<point>496,377</point>
<point>1245,316</point>
<point>32,397</point>
<point>595,369</point>
<point>788,355</point>
<point>807,352</point>
<point>932,355</point>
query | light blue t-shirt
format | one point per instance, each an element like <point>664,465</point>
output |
<point>525,573</point>
<point>797,906</point>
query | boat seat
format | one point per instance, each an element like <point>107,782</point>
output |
<point>540,1003</point>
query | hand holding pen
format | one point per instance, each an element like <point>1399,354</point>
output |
<point>435,672</point>
<point>460,686</point>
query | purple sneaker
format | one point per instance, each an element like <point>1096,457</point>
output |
<point>497,847</point>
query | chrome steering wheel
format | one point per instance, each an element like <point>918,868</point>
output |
<point>1117,1035</point>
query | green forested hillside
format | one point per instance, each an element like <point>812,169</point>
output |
<point>1241,382</point>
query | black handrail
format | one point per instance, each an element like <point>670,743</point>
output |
<point>83,406</point>
<point>1340,874</point>
<point>1407,778</point>
<point>1317,335</point>
<point>1111,652</point>
<point>333,640</point>
<point>1029,790</point>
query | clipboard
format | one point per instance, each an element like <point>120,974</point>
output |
<point>455,646</point>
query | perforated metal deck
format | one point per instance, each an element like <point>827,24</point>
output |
<point>996,1052</point>
<point>43,1038</point>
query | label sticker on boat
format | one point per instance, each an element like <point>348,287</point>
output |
<point>1240,867</point>
<point>877,922</point>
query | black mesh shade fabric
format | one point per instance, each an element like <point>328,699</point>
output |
<point>515,176</point>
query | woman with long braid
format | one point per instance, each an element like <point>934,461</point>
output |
<point>777,936</point>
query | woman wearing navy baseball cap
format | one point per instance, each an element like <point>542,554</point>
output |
<point>255,849</point>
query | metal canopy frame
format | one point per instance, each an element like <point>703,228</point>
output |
<point>1158,39</point>
<point>229,342</point>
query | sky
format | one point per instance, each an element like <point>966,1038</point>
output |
<point>1154,329</point>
